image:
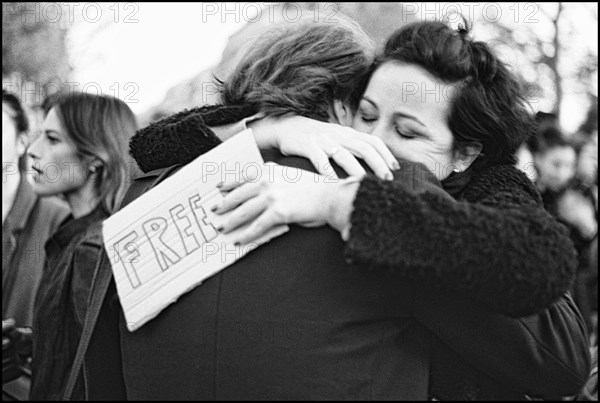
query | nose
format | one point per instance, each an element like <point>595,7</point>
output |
<point>33,151</point>
<point>379,130</point>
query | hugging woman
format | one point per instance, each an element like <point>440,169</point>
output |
<point>452,253</point>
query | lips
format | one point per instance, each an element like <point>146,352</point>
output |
<point>37,172</point>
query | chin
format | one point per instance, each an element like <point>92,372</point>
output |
<point>43,189</point>
<point>44,192</point>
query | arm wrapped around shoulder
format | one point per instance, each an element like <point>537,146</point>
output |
<point>183,136</point>
<point>498,245</point>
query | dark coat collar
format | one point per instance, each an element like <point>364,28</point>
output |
<point>70,228</point>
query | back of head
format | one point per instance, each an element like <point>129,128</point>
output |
<point>11,105</point>
<point>488,104</point>
<point>555,160</point>
<point>100,126</point>
<point>546,138</point>
<point>302,68</point>
<point>16,111</point>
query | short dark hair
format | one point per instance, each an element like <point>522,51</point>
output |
<point>302,68</point>
<point>548,138</point>
<point>488,106</point>
<point>17,114</point>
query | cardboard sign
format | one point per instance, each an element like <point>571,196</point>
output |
<point>164,243</point>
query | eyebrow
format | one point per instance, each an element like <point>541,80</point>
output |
<point>401,114</point>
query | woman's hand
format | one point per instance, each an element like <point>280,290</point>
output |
<point>284,195</point>
<point>320,141</point>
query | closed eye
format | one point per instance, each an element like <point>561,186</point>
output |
<point>51,138</point>
<point>368,119</point>
<point>406,135</point>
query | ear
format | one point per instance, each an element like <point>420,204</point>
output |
<point>21,144</point>
<point>466,154</point>
<point>342,113</point>
<point>94,165</point>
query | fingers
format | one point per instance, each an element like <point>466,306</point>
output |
<point>265,222</point>
<point>243,214</point>
<point>320,161</point>
<point>384,151</point>
<point>244,176</point>
<point>376,162</point>
<point>348,162</point>
<point>375,154</point>
<point>237,196</point>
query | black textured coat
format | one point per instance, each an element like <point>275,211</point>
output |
<point>542,355</point>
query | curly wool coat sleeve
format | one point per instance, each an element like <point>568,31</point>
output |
<point>498,245</point>
<point>183,136</point>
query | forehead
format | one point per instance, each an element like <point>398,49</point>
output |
<point>52,122</point>
<point>410,87</point>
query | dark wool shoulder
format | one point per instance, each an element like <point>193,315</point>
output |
<point>502,179</point>
<point>183,136</point>
<point>498,246</point>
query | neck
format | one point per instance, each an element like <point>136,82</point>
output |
<point>83,201</point>
<point>10,186</point>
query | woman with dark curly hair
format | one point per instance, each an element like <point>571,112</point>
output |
<point>491,241</point>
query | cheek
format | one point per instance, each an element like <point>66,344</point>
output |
<point>361,126</point>
<point>62,172</point>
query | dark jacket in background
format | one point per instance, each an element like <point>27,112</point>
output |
<point>61,303</point>
<point>585,286</point>
<point>30,222</point>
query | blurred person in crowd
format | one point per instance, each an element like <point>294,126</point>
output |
<point>555,160</point>
<point>525,159</point>
<point>85,138</point>
<point>566,197</point>
<point>27,222</point>
<point>268,370</point>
